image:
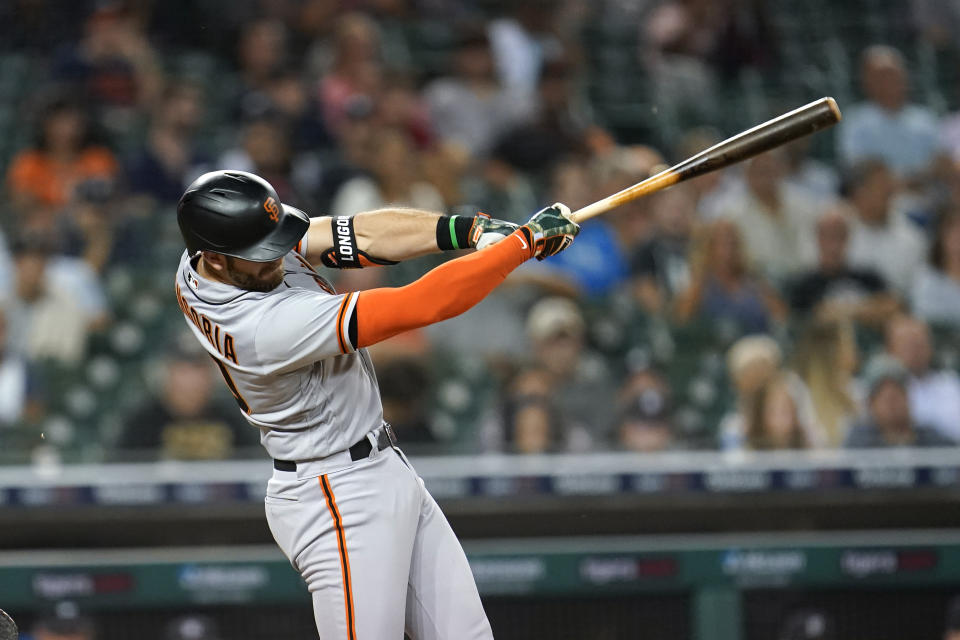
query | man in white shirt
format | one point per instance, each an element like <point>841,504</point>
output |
<point>880,238</point>
<point>934,395</point>
<point>885,126</point>
<point>777,219</point>
<point>470,108</point>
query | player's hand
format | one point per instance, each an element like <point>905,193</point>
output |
<point>551,230</point>
<point>487,231</point>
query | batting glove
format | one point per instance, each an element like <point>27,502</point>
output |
<point>550,230</point>
<point>487,231</point>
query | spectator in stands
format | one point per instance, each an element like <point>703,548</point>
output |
<point>936,288</point>
<point>952,631</point>
<point>752,363</point>
<point>20,393</point>
<point>91,230</point>
<point>688,41</point>
<point>48,313</point>
<point>938,21</point>
<point>680,36</point>
<point>261,57</point>
<point>881,238</point>
<point>826,360</point>
<point>934,395</point>
<point>357,69</point>
<point>185,420</point>
<point>835,290</point>
<point>776,219</point>
<point>394,20</point>
<point>532,422</point>
<point>722,288</point>
<point>169,159</point>
<point>659,267</point>
<point>400,107</point>
<point>557,128</point>
<point>41,179</point>
<point>645,413</point>
<point>470,108</point>
<point>113,65</point>
<point>290,100</point>
<point>521,41</point>
<point>774,418</point>
<point>904,136</point>
<point>266,150</point>
<point>76,259</point>
<point>64,622</point>
<point>579,380</point>
<point>889,422</point>
<point>351,154</point>
<point>395,179</point>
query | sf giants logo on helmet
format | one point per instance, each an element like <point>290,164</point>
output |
<point>272,208</point>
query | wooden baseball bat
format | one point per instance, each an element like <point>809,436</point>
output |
<point>808,119</point>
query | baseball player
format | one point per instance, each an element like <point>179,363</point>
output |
<point>344,503</point>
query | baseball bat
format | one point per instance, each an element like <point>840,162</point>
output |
<point>808,119</point>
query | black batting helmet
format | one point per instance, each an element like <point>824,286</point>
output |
<point>238,214</point>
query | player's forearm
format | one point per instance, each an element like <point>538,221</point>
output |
<point>397,234</point>
<point>384,236</point>
<point>445,292</point>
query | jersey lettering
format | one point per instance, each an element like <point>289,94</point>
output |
<point>208,329</point>
<point>228,351</point>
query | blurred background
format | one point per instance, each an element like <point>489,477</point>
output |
<point>730,411</point>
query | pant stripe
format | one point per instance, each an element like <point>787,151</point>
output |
<point>344,558</point>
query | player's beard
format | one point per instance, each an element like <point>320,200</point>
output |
<point>263,281</point>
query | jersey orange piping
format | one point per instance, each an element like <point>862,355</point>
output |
<point>341,337</point>
<point>344,558</point>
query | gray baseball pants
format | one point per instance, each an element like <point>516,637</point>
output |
<point>378,555</point>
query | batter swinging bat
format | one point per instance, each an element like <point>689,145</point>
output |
<point>8,629</point>
<point>800,122</point>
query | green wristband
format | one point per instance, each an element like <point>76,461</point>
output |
<point>453,232</point>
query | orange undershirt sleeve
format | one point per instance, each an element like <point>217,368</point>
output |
<point>442,293</point>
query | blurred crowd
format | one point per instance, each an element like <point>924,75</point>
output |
<point>809,298</point>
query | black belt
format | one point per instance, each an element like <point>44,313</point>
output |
<point>360,450</point>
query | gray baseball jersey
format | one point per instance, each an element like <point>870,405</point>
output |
<point>287,358</point>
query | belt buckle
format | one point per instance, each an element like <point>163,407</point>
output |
<point>391,435</point>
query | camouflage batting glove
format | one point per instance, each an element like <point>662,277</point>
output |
<point>487,231</point>
<point>550,230</point>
